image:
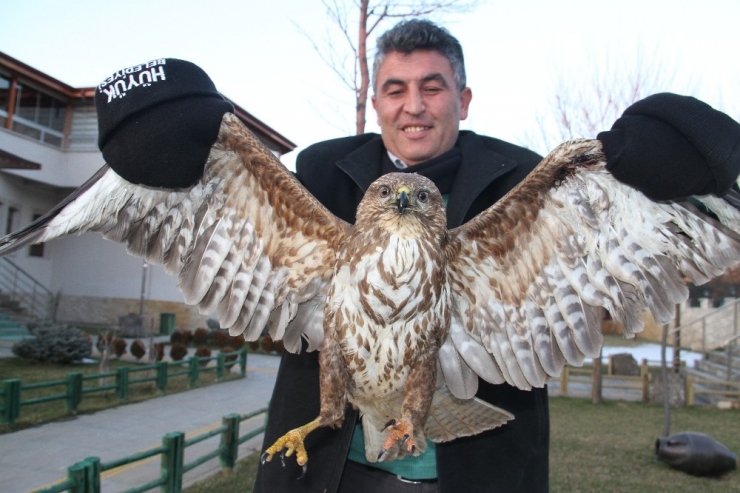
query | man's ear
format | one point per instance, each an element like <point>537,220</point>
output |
<point>465,96</point>
<point>375,107</point>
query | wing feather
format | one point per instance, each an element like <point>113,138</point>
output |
<point>529,273</point>
<point>245,239</point>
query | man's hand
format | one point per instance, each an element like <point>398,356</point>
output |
<point>670,146</point>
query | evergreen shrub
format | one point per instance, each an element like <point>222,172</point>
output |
<point>54,343</point>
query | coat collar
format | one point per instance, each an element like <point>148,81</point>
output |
<point>479,167</point>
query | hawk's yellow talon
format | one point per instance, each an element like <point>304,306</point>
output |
<point>292,442</point>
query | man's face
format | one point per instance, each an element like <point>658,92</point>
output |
<point>419,106</point>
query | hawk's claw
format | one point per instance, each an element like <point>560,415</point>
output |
<point>292,443</point>
<point>402,432</point>
<point>303,472</point>
<point>263,458</point>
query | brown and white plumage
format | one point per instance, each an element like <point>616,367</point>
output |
<point>408,314</point>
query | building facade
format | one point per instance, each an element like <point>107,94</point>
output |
<point>48,147</point>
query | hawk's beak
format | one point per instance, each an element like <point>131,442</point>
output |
<point>402,200</point>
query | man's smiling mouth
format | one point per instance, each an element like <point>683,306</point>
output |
<point>416,129</point>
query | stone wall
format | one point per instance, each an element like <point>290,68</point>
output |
<point>105,312</point>
<point>718,326</point>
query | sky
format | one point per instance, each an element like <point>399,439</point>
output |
<point>258,53</point>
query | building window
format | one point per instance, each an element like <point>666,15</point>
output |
<point>39,116</point>
<point>4,99</point>
<point>11,219</point>
<point>36,250</point>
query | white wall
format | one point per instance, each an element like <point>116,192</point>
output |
<point>88,265</point>
<point>58,168</point>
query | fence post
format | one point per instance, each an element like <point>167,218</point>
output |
<point>85,476</point>
<point>689,390</point>
<point>220,365</point>
<point>193,370</point>
<point>78,474</point>
<point>229,441</point>
<point>161,376</point>
<point>74,391</point>
<point>645,374</point>
<point>564,381</point>
<point>172,461</point>
<point>243,361</point>
<point>11,400</point>
<point>92,475</point>
<point>122,383</point>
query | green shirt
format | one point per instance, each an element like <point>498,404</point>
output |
<point>423,466</point>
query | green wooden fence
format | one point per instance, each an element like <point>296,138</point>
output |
<point>84,476</point>
<point>72,389</point>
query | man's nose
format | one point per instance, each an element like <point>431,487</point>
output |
<point>414,104</point>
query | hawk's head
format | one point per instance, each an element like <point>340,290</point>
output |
<point>407,204</point>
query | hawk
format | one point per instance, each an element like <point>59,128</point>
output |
<point>406,313</point>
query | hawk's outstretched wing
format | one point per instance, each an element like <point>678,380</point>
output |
<point>245,239</point>
<point>528,274</point>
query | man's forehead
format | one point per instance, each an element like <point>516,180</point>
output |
<point>419,66</point>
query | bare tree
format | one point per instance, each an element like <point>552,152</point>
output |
<point>356,21</point>
<point>586,102</point>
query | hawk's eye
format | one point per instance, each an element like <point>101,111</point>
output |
<point>384,191</point>
<point>423,196</point>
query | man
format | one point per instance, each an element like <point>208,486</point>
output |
<point>420,98</point>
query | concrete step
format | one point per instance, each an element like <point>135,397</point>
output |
<point>721,356</point>
<point>11,330</point>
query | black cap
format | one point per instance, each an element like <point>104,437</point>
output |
<point>157,122</point>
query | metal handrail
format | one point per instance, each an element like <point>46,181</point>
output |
<point>704,317</point>
<point>731,340</point>
<point>35,298</point>
<point>27,275</point>
<point>701,323</point>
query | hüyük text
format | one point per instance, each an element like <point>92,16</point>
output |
<point>124,80</point>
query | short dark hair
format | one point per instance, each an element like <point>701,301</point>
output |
<point>420,34</point>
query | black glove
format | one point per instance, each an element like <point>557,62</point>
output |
<point>157,122</point>
<point>670,146</point>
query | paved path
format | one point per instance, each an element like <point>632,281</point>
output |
<point>38,457</point>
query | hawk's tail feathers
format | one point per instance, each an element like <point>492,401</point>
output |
<point>450,418</point>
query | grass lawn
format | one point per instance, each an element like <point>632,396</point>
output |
<point>29,371</point>
<point>606,449</point>
<point>610,447</point>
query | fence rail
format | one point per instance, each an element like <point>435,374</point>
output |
<point>697,386</point>
<point>84,476</point>
<point>693,386</point>
<point>608,381</point>
<point>74,389</point>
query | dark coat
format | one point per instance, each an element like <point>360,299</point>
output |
<point>512,458</point>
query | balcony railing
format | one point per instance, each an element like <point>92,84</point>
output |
<point>29,295</point>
